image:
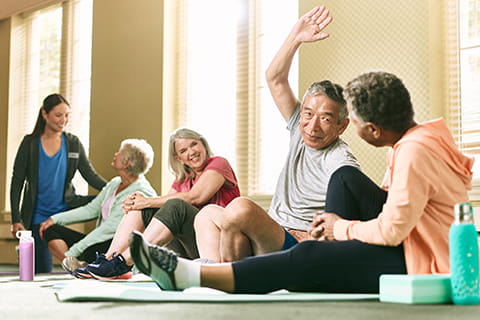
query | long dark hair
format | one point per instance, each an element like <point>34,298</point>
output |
<point>49,103</point>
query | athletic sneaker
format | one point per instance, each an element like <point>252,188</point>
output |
<point>157,262</point>
<point>70,264</point>
<point>116,268</point>
<point>84,273</point>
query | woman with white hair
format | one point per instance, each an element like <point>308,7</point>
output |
<point>75,249</point>
<point>200,179</point>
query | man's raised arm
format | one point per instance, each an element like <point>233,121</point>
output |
<point>307,29</point>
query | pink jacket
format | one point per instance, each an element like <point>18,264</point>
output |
<point>426,176</point>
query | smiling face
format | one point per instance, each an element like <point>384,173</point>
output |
<point>319,122</point>
<point>57,119</point>
<point>192,153</point>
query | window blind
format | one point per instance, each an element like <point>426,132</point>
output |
<point>220,85</point>
<point>469,47</point>
<point>463,79</point>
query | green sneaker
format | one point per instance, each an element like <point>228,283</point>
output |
<point>157,262</point>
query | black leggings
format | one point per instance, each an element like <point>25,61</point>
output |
<point>328,266</point>
<point>70,237</point>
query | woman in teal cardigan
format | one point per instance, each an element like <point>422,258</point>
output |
<point>75,249</point>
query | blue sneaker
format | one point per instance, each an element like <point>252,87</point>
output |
<point>116,268</point>
<point>157,262</point>
<point>83,273</point>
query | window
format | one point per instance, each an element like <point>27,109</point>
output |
<point>221,90</point>
<point>470,78</point>
<point>51,50</point>
<point>464,66</point>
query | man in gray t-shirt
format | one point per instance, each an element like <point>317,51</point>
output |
<point>302,184</point>
<point>243,228</point>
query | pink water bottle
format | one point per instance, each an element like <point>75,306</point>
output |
<point>26,255</point>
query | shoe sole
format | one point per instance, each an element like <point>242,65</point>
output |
<point>82,275</point>
<point>139,251</point>
<point>125,276</point>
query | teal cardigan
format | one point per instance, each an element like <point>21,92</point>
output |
<point>93,210</point>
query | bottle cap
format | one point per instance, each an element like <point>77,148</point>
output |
<point>23,234</point>
<point>463,213</point>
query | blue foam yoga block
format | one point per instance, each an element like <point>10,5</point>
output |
<point>422,289</point>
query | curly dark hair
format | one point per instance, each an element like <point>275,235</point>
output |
<point>381,98</point>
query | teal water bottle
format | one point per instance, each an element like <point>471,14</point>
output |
<point>464,256</point>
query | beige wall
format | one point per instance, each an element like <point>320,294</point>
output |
<point>6,249</point>
<point>126,100</point>
<point>4,63</point>
<point>402,37</point>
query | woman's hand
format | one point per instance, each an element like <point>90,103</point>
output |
<point>16,227</point>
<point>45,225</point>
<point>135,201</point>
<point>322,226</point>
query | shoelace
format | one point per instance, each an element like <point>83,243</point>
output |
<point>118,256</point>
<point>164,258</point>
<point>99,258</point>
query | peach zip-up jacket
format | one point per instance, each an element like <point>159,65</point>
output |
<point>426,176</point>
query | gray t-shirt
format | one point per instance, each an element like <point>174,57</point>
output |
<point>302,185</point>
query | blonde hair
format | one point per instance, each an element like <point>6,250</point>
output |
<point>140,155</point>
<point>180,170</point>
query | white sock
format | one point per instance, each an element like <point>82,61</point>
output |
<point>187,273</point>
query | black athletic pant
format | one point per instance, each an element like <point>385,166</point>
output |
<point>328,266</point>
<point>178,216</point>
<point>71,237</point>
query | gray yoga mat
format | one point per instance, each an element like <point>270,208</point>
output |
<point>92,290</point>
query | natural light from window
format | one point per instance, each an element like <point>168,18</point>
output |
<point>213,74</point>
<point>470,79</point>
<point>211,65</point>
<point>275,136</point>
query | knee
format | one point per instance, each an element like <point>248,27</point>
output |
<point>304,249</point>
<point>50,234</point>
<point>173,203</point>
<point>344,176</point>
<point>172,207</point>
<point>239,212</point>
<point>306,255</point>
<point>208,215</point>
<point>345,172</point>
